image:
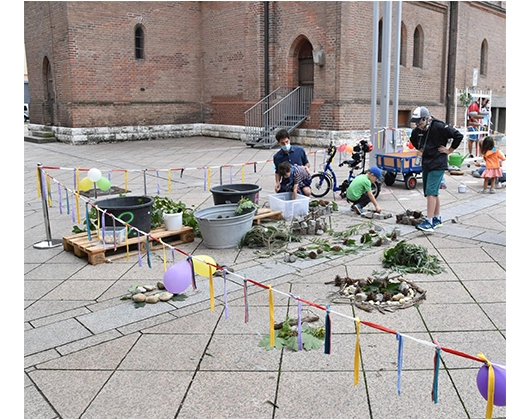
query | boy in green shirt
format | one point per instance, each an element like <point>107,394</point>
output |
<point>359,191</point>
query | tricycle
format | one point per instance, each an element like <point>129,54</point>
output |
<point>403,163</point>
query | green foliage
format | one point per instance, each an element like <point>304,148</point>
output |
<point>312,338</point>
<point>465,98</point>
<point>163,205</point>
<point>411,258</point>
<point>92,221</point>
<point>245,205</point>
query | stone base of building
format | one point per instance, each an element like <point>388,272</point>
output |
<point>94,135</point>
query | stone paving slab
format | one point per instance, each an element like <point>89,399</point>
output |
<point>100,357</point>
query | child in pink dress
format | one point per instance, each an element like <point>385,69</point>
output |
<point>493,157</point>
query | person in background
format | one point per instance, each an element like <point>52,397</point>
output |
<point>298,176</point>
<point>473,124</point>
<point>359,191</point>
<point>295,155</point>
<point>431,139</point>
<point>493,157</point>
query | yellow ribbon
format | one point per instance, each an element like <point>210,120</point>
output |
<point>126,179</point>
<point>212,302</point>
<point>165,266</point>
<point>271,317</point>
<point>208,177</point>
<point>491,385</point>
<point>169,180</point>
<point>357,357</point>
<point>243,174</point>
<point>49,192</point>
<point>39,185</point>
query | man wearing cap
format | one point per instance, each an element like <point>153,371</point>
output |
<point>431,139</point>
<point>359,191</point>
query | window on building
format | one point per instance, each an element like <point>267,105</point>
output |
<point>139,39</point>
<point>380,42</point>
<point>484,58</point>
<point>417,54</point>
<point>403,46</point>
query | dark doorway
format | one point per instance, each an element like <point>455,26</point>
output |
<point>305,64</point>
<point>50,93</point>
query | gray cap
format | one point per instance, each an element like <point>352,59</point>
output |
<point>419,113</point>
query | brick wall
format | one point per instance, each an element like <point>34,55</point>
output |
<point>204,61</point>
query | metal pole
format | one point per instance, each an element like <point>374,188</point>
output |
<point>397,54</point>
<point>48,242</point>
<point>385,63</point>
<point>375,38</point>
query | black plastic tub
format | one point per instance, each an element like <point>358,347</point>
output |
<point>232,193</point>
<point>134,210</point>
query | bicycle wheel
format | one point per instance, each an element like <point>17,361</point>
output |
<point>376,189</point>
<point>320,185</point>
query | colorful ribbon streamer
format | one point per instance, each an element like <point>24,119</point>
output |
<point>212,292</point>
<point>491,385</point>
<point>271,317</point>
<point>225,293</point>
<point>245,295</point>
<point>434,393</point>
<point>357,356</point>
<point>327,339</point>
<point>193,281</point>
<point>399,338</point>
<point>87,221</point>
<point>300,341</point>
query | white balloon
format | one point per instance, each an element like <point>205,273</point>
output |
<point>94,174</point>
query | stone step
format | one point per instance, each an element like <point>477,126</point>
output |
<point>40,139</point>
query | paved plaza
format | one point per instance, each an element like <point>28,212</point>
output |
<point>90,354</point>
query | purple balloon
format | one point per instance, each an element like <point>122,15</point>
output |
<point>499,396</point>
<point>177,278</point>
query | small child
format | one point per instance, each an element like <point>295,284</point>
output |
<point>493,157</point>
<point>298,176</point>
<point>360,190</point>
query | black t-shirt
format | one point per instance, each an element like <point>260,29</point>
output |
<point>438,134</point>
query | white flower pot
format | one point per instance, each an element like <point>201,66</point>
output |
<point>173,221</point>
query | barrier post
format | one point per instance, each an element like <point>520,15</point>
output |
<point>48,242</point>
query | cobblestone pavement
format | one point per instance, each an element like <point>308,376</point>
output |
<point>90,354</point>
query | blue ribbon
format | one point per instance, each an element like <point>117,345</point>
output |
<point>399,338</point>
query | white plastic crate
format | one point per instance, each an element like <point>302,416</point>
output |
<point>289,208</point>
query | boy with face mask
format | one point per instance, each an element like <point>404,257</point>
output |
<point>295,155</point>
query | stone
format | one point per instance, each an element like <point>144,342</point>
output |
<point>149,287</point>
<point>151,299</point>
<point>165,296</point>
<point>398,296</point>
<point>139,297</point>
<point>160,285</point>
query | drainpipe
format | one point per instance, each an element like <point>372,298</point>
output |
<point>266,46</point>
<point>451,60</point>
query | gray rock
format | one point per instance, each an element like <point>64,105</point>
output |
<point>152,299</point>
<point>165,296</point>
<point>139,297</point>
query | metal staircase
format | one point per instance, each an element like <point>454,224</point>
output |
<point>283,108</point>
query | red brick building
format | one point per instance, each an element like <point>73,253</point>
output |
<point>112,64</point>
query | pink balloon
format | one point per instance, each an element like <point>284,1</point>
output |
<point>177,278</point>
<point>341,148</point>
<point>499,396</point>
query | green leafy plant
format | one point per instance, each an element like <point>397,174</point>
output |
<point>92,221</point>
<point>287,336</point>
<point>245,205</point>
<point>465,98</point>
<point>411,258</point>
<point>163,205</point>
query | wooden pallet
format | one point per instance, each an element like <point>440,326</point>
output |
<point>264,213</point>
<point>97,253</point>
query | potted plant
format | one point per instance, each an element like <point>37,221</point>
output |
<point>172,214</point>
<point>245,205</point>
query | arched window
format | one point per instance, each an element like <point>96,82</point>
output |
<point>380,42</point>
<point>484,58</point>
<point>139,39</point>
<point>403,47</point>
<point>417,54</point>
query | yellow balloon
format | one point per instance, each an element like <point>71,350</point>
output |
<point>201,267</point>
<point>85,184</point>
